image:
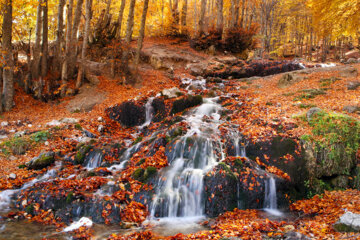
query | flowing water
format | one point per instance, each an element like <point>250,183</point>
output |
<point>270,203</point>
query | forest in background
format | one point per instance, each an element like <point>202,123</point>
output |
<point>47,36</point>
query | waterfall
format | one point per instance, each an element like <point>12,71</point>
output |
<point>270,202</point>
<point>94,160</point>
<point>149,112</point>
<point>180,185</point>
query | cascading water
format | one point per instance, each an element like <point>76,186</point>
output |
<point>149,112</point>
<point>94,160</point>
<point>180,186</point>
<point>270,203</point>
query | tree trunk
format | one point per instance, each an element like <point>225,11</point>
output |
<point>219,16</point>
<point>242,14</point>
<point>183,17</point>
<point>142,32</point>
<point>202,18</point>
<point>88,6</point>
<point>1,88</point>
<point>8,74</point>
<point>59,34</point>
<point>64,73</point>
<point>120,18</point>
<point>44,55</point>
<point>37,48</point>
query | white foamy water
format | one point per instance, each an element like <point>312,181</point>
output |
<point>270,203</point>
<point>84,221</point>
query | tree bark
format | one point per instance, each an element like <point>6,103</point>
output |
<point>88,6</point>
<point>8,74</point>
<point>44,55</point>
<point>142,32</point>
<point>120,18</point>
<point>183,17</point>
<point>202,18</point>
<point>219,16</point>
<point>64,73</point>
<point>59,34</point>
<point>37,48</point>
<point>130,22</point>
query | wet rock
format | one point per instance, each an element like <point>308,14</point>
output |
<point>220,193</point>
<point>348,222</point>
<point>312,112</point>
<point>349,72</point>
<point>351,109</point>
<point>289,79</point>
<point>128,113</point>
<point>186,102</point>
<point>353,85</point>
<point>89,134</point>
<point>159,110</point>
<point>42,161</point>
<point>171,92</point>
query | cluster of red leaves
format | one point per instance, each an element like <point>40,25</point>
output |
<point>134,212</point>
<point>323,211</point>
<point>147,235</point>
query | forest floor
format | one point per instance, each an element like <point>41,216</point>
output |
<point>268,103</point>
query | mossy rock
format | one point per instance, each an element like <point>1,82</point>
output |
<point>186,102</point>
<point>144,175</point>
<point>138,174</point>
<point>42,161</point>
<point>81,154</point>
<point>18,145</point>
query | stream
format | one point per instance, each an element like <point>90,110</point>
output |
<point>178,205</point>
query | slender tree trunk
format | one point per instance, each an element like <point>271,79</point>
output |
<point>183,17</point>
<point>142,32</point>
<point>120,18</point>
<point>44,55</point>
<point>8,74</point>
<point>64,73</point>
<point>59,34</point>
<point>1,88</point>
<point>202,18</point>
<point>220,16</point>
<point>37,48</point>
<point>242,14</point>
<point>88,6</point>
<point>195,17</point>
<point>130,22</point>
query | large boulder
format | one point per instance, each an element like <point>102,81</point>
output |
<point>171,92</point>
<point>186,102</point>
<point>289,79</point>
<point>353,85</point>
<point>129,113</point>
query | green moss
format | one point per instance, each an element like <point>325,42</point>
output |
<point>310,93</point>
<point>137,140</point>
<point>149,172</point>
<point>78,127</point>
<point>30,209</point>
<point>17,145</point>
<point>140,162</point>
<point>238,164</point>
<point>81,154</point>
<point>326,82</point>
<point>305,106</point>
<point>138,174</point>
<point>227,169</point>
<point>69,197</point>
<point>41,136</point>
<point>22,166</point>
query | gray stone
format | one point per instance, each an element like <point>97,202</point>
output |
<point>312,112</point>
<point>353,85</point>
<point>101,128</point>
<point>100,119</point>
<point>53,123</point>
<point>12,176</point>
<point>197,69</point>
<point>4,124</point>
<point>349,72</point>
<point>12,158</point>
<point>69,120</point>
<point>348,222</point>
<point>3,137</point>
<point>171,92</point>
<point>295,236</point>
<point>351,109</point>
<point>42,161</point>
